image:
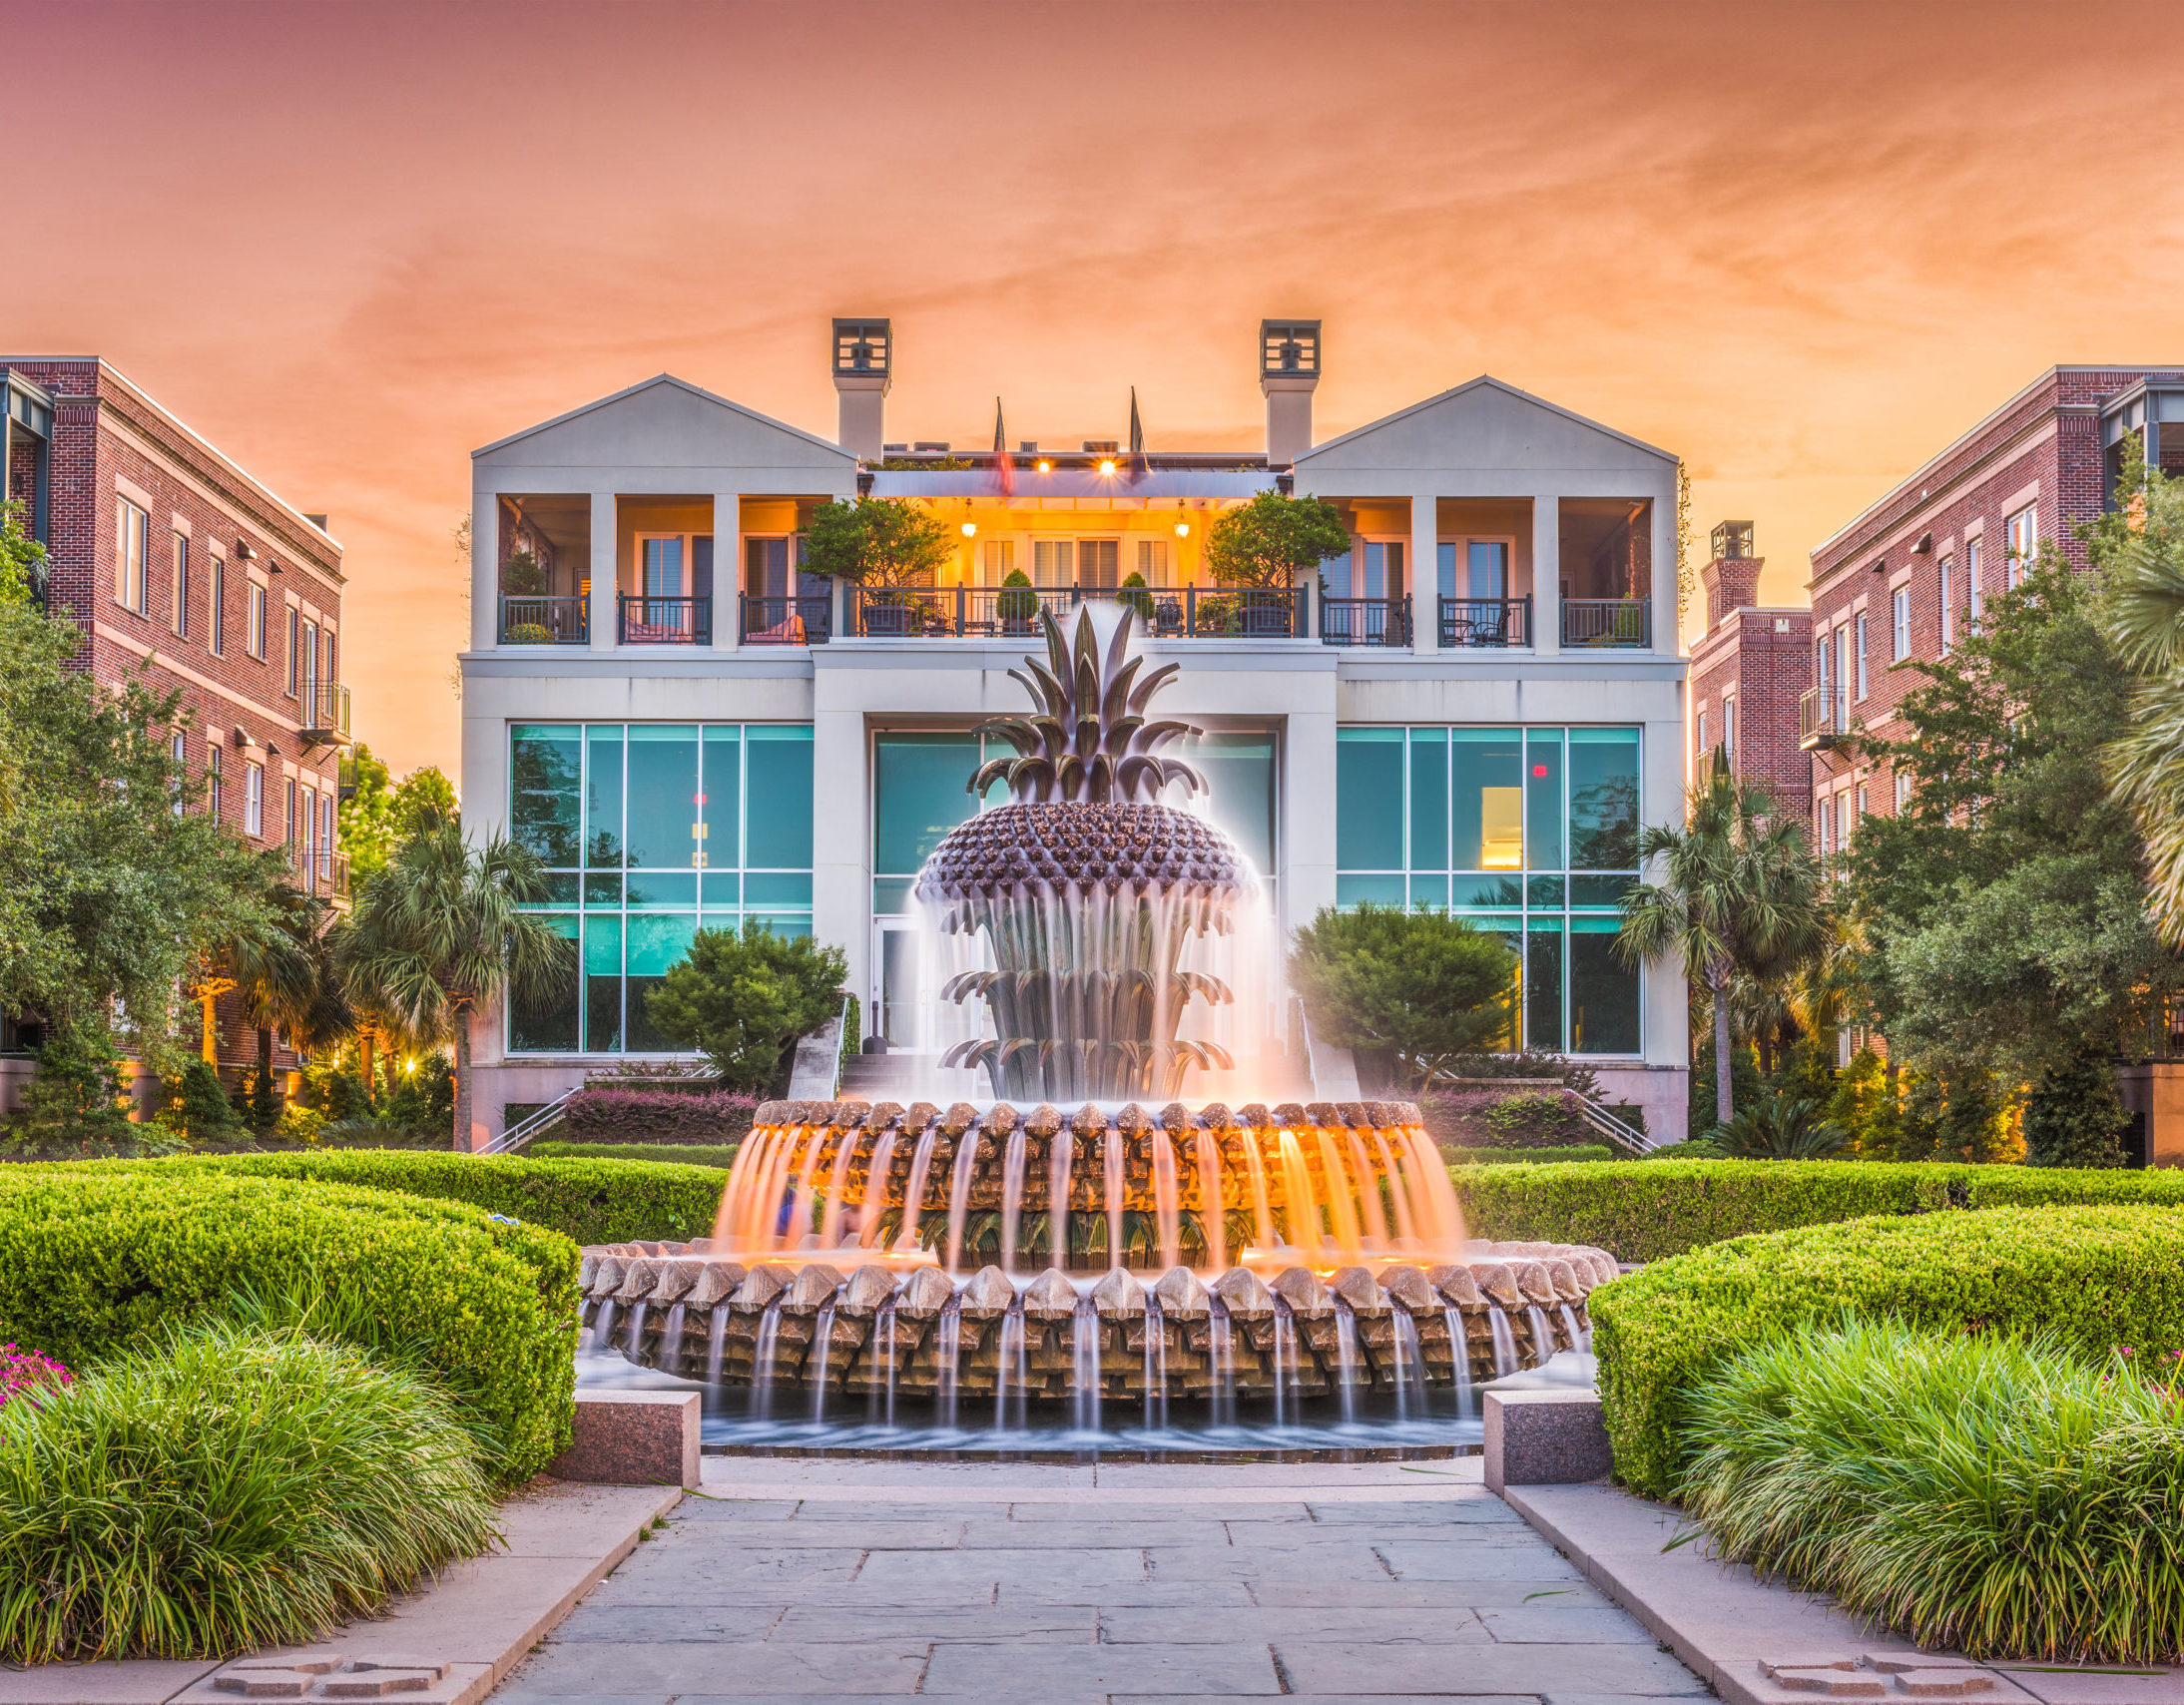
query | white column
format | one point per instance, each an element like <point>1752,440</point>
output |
<point>604,542</point>
<point>484,569</point>
<point>728,571</point>
<point>1667,634</point>
<point>842,841</point>
<point>1308,812</point>
<point>1546,574</point>
<point>1424,573</point>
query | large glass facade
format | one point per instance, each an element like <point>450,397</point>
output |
<point>650,832</point>
<point>1528,832</point>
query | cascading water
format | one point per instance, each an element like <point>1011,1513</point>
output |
<point>1011,1367</point>
<point>1346,1358</point>
<point>1221,1393</point>
<point>762,1364</point>
<point>1580,1336</point>
<point>1409,1363</point>
<point>1506,1361</point>
<point>822,1339</point>
<point>602,1324</point>
<point>948,1352</point>
<point>670,1336</point>
<point>633,1339</point>
<point>717,1344</point>
<point>1459,1363</point>
<point>1542,1332</point>
<point>1084,1365</point>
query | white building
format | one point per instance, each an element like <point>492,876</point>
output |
<point>702,734</point>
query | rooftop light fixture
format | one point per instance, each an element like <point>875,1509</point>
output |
<point>1183,529</point>
<point>1045,466</point>
<point>1107,466</point>
<point>971,529</point>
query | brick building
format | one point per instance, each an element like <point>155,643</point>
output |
<point>1748,671</point>
<point>1904,578</point>
<point>174,560</point>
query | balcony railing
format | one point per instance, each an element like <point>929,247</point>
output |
<point>1607,621</point>
<point>1485,622</point>
<point>322,715</point>
<point>788,621</point>
<point>1824,717</point>
<point>1364,621</point>
<point>644,620</point>
<point>319,868</point>
<point>1012,612</point>
<point>545,621</point>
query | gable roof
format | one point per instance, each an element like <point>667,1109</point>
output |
<point>1489,388</point>
<point>683,388</point>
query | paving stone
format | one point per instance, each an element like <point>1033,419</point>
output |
<point>1201,1595</point>
<point>708,1507</point>
<point>137,1681</point>
<point>1354,1560</point>
<point>1040,1624</point>
<point>1081,1534</point>
<point>1532,1625</point>
<point>723,1669</point>
<point>1436,1627</point>
<point>1421,1595</point>
<point>693,1620</point>
<point>1039,1672</point>
<point>1323,1699</point>
<point>686,1579</point>
<point>1330,1667</point>
<point>1479,1507</point>
<point>1053,1575</point>
<point>1411,1560</point>
<point>801,1534</point>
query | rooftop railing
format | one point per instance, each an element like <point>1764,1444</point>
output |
<point>1607,621</point>
<point>1012,612</point>
<point>545,621</point>
<point>647,620</point>
<point>1364,621</point>
<point>788,621</point>
<point>1824,717</point>
<point>1485,622</point>
<point>322,715</point>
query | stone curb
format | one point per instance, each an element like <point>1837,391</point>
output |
<point>1737,1633</point>
<point>474,1621</point>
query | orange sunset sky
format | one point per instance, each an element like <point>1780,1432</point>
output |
<point>1800,246</point>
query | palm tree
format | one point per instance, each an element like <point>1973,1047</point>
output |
<point>281,962</point>
<point>2142,551</point>
<point>441,931</point>
<point>1737,891</point>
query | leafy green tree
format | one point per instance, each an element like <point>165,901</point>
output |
<point>743,1000</point>
<point>108,895</point>
<point>198,1105</point>
<point>439,933</point>
<point>1738,890</point>
<point>1423,986</point>
<point>877,541</point>
<point>2073,1115</point>
<point>1271,540</point>
<point>365,823</point>
<point>2002,908</point>
<point>282,964</point>
<point>424,797</point>
<point>76,1103</point>
<point>22,561</point>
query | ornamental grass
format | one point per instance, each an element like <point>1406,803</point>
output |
<point>1996,1495</point>
<point>226,1490</point>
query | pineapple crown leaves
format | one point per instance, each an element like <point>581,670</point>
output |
<point>1088,739</point>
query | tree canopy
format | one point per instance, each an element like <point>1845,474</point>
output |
<point>877,541</point>
<point>1271,540</point>
<point>378,816</point>
<point>1423,986</point>
<point>742,998</point>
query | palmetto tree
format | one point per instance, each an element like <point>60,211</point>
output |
<point>2142,552</point>
<point>1737,889</point>
<point>441,933</point>
<point>282,964</point>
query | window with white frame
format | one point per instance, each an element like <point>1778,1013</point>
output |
<point>254,800</point>
<point>1973,591</point>
<point>1053,562</point>
<point>214,764</point>
<point>179,590</point>
<point>325,837</point>
<point>1859,807</point>
<point>310,663</point>
<point>1899,623</point>
<point>1902,790</point>
<point>1843,677</point>
<point>1153,561</point>
<point>996,561</point>
<point>216,612</point>
<point>179,749</point>
<point>254,638</point>
<point>290,835</point>
<point>295,618</point>
<point>1860,647</point>
<point>1729,728</point>
<point>131,528</point>
<point>1948,607</point>
<point>1703,747</point>
<point>2022,535</point>
<point>1099,563</point>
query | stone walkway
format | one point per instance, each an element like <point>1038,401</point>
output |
<point>1125,1584</point>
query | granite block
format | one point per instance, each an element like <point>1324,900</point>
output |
<point>633,1439</point>
<point>1544,1438</point>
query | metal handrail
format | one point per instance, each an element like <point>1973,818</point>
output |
<point>1485,622</point>
<point>527,619</point>
<point>769,620</point>
<point>526,1130</point>
<point>323,709</point>
<point>1607,621</point>
<point>1622,1136</point>
<point>647,620</point>
<point>1012,612</point>
<point>1364,621</point>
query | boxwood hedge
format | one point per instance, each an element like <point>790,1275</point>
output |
<point>2091,1278</point>
<point>1649,1210</point>
<point>672,1154</point>
<point>98,1258</point>
<point>592,1201</point>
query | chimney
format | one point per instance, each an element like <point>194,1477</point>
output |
<point>1732,579</point>
<point>1289,373</point>
<point>864,369</point>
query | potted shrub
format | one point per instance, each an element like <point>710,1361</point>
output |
<point>522,576</point>
<point>1016,604</point>
<point>1135,596</point>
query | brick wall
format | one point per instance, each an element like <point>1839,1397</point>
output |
<point>109,440</point>
<point>1761,658</point>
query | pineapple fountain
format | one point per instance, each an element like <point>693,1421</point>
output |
<point>1095,1265</point>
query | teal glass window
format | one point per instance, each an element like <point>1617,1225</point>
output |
<point>545,789</point>
<point>548,1023</point>
<point>1238,769</point>
<point>660,829</point>
<point>920,790</point>
<point>1532,832</point>
<point>1368,800</point>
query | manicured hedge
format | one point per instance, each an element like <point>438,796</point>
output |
<point>666,1154</point>
<point>2034,1186</point>
<point>96,1258</point>
<point>592,1201</point>
<point>1456,1155</point>
<point>1648,1210</point>
<point>2090,1278</point>
<point>657,1116</point>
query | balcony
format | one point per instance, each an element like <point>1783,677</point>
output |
<point>788,621</point>
<point>322,717</point>
<point>1012,612</point>
<point>1364,621</point>
<point>545,621</point>
<point>1823,719</point>
<point>318,869</point>
<point>664,621</point>
<point>1609,622</point>
<point>1485,622</point>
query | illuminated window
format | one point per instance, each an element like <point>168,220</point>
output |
<point>1899,623</point>
<point>130,527</point>
<point>2022,532</point>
